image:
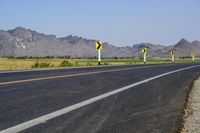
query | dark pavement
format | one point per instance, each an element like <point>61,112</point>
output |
<point>155,106</point>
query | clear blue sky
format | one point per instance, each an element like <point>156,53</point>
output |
<point>120,22</point>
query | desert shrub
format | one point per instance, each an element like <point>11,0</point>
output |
<point>44,65</point>
<point>88,64</point>
<point>130,61</point>
<point>65,64</point>
<point>36,65</point>
<point>106,63</point>
<point>76,63</point>
<point>41,65</point>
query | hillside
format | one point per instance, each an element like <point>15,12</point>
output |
<point>25,42</point>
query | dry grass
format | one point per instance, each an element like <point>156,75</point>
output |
<point>14,64</point>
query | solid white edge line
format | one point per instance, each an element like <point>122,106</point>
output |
<point>43,119</point>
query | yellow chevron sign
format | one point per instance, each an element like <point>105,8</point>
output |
<point>193,53</point>
<point>172,52</point>
<point>144,50</point>
<point>99,45</point>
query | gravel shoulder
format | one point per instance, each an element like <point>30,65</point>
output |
<point>192,111</point>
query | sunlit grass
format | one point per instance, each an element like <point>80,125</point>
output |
<point>14,64</point>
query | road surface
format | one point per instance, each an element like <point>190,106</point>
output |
<point>111,99</point>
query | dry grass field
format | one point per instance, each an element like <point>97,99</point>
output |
<point>15,64</point>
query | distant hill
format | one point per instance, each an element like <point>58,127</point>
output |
<point>25,42</point>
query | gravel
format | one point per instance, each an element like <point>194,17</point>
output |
<point>192,111</point>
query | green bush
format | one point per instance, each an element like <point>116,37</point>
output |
<point>130,61</point>
<point>88,64</point>
<point>65,64</point>
<point>36,65</point>
<point>76,63</point>
<point>106,63</point>
<point>44,65</point>
<point>41,65</point>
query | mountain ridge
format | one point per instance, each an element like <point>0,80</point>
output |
<point>26,42</point>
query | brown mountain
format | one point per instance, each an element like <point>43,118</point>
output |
<point>25,42</point>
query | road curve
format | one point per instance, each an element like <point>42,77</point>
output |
<point>151,106</point>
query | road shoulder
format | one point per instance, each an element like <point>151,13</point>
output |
<point>192,111</point>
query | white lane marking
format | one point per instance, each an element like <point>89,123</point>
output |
<point>43,119</point>
<point>78,74</point>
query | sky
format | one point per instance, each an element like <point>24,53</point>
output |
<point>119,22</point>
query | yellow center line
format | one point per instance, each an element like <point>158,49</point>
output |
<point>65,110</point>
<point>72,75</point>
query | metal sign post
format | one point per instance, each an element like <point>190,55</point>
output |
<point>172,58</point>
<point>193,55</point>
<point>193,58</point>
<point>172,54</point>
<point>99,57</point>
<point>145,58</point>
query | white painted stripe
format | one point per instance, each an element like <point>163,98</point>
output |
<point>77,74</point>
<point>43,119</point>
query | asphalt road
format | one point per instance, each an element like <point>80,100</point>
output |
<point>112,99</point>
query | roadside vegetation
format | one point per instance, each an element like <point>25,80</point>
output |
<point>12,63</point>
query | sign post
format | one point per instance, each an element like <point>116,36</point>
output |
<point>99,46</point>
<point>172,54</point>
<point>144,52</point>
<point>193,55</point>
<point>99,57</point>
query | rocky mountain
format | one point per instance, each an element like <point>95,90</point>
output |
<point>25,42</point>
<point>184,47</point>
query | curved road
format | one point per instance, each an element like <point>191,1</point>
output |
<point>111,99</point>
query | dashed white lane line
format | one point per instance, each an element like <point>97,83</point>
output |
<point>43,119</point>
